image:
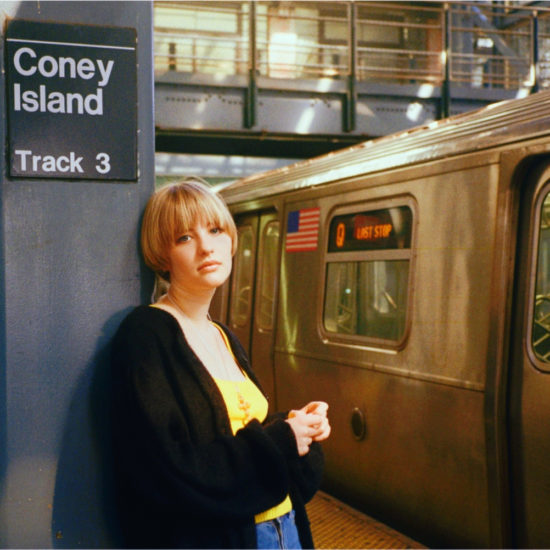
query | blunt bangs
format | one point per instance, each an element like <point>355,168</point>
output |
<point>173,210</point>
<point>190,209</point>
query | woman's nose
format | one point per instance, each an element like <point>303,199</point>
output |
<point>206,245</point>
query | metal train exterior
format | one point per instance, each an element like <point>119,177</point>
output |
<point>415,301</point>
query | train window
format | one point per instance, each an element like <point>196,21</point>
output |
<point>367,298</point>
<point>243,277</point>
<point>268,276</point>
<point>540,334</point>
<point>367,274</point>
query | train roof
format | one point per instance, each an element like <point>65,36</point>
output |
<point>496,124</point>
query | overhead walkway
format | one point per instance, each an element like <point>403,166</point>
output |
<point>297,79</point>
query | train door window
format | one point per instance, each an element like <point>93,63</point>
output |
<point>340,303</point>
<point>367,274</point>
<point>268,276</point>
<point>243,277</point>
<point>540,329</point>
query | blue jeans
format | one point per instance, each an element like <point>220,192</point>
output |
<point>279,533</point>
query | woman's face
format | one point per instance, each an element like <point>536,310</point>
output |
<point>201,259</point>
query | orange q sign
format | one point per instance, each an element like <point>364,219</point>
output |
<point>340,235</point>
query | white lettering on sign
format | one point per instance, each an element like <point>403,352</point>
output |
<point>49,163</point>
<point>57,102</point>
<point>28,63</point>
<point>71,163</point>
<point>63,67</point>
<point>104,166</point>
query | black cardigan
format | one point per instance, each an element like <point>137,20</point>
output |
<point>184,479</point>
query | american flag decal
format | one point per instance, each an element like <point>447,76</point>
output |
<point>302,230</point>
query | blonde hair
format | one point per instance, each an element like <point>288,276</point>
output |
<point>171,211</point>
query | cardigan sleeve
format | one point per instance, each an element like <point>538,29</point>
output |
<point>168,440</point>
<point>306,471</point>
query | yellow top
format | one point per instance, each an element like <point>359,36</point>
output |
<point>244,401</point>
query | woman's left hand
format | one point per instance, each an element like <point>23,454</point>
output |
<point>319,408</point>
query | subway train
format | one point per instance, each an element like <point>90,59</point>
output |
<point>406,281</point>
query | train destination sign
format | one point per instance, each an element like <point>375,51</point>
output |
<point>72,101</point>
<point>386,229</point>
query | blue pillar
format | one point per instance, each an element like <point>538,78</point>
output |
<point>69,272</point>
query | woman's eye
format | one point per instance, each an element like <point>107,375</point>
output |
<point>183,239</point>
<point>216,230</point>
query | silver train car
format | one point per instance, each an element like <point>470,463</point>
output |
<point>406,281</point>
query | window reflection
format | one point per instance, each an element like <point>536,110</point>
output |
<point>243,277</point>
<point>541,320</point>
<point>367,298</point>
<point>268,276</point>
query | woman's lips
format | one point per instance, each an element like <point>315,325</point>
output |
<point>209,266</point>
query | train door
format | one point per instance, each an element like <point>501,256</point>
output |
<point>529,385</point>
<point>253,292</point>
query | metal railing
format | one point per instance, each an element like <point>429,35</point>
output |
<point>491,47</point>
<point>399,43</point>
<point>198,37</point>
<point>302,40</point>
<point>488,45</point>
<point>194,53</point>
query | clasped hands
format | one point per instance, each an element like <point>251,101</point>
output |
<point>309,424</point>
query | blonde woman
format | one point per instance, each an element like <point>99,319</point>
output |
<point>199,462</point>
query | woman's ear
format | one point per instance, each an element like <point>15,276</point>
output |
<point>160,287</point>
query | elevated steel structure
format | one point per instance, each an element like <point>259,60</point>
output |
<point>298,79</point>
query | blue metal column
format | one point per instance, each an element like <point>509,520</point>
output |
<point>69,272</point>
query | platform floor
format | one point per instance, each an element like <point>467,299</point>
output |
<point>336,525</point>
